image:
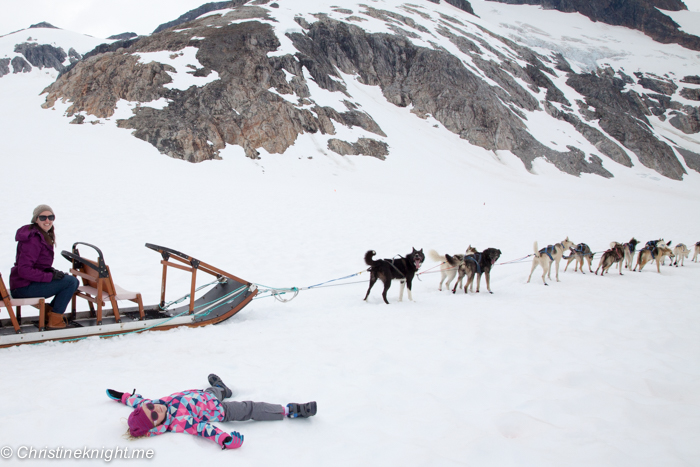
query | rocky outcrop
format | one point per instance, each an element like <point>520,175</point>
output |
<point>42,56</point>
<point>363,147</point>
<point>199,11</point>
<point>43,24</point>
<point>4,66</point>
<point>110,77</point>
<point>688,122</point>
<point>592,135</point>
<point>692,159</point>
<point>236,109</point>
<point>691,79</point>
<point>20,65</point>
<point>432,81</point>
<point>623,116</point>
<point>123,36</point>
<point>665,87</point>
<point>642,15</point>
<point>463,5</point>
<point>691,93</point>
<point>260,99</point>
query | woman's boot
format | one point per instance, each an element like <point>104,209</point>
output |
<point>55,321</point>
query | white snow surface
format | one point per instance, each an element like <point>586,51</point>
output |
<point>587,371</point>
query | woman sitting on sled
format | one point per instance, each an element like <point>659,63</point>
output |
<point>190,411</point>
<point>33,274</point>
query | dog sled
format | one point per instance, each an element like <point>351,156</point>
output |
<point>228,295</point>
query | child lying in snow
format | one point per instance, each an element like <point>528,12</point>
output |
<point>189,411</point>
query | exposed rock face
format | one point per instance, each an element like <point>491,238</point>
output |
<point>123,36</point>
<point>363,146</point>
<point>193,14</point>
<point>113,76</point>
<point>20,65</point>
<point>43,56</point>
<point>689,122</point>
<point>463,5</point>
<point>435,83</point>
<point>692,94</point>
<point>692,159</point>
<point>661,86</point>
<point>43,24</point>
<point>4,66</point>
<point>485,94</point>
<point>642,15</point>
<point>691,79</point>
<point>236,109</point>
<point>624,116</point>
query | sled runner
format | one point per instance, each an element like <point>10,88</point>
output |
<point>228,296</point>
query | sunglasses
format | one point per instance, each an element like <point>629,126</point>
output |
<point>154,416</point>
<point>43,218</point>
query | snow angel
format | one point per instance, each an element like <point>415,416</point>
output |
<point>33,274</point>
<point>190,411</point>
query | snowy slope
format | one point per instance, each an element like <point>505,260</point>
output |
<point>588,371</point>
<point>587,46</point>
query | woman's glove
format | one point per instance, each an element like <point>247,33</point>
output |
<point>58,275</point>
<point>234,441</point>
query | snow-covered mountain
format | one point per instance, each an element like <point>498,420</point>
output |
<point>586,371</point>
<point>260,75</point>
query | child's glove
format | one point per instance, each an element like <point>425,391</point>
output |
<point>115,395</point>
<point>234,441</point>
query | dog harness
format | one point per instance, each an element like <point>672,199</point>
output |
<point>477,261</point>
<point>548,251</point>
<point>652,249</point>
<point>391,263</point>
<point>617,253</point>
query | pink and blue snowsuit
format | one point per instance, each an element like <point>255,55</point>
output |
<point>190,411</point>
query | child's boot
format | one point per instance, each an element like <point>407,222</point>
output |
<point>301,410</point>
<point>216,382</point>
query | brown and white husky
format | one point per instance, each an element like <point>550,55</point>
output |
<point>656,253</point>
<point>546,256</point>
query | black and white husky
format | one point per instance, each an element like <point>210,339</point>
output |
<point>403,269</point>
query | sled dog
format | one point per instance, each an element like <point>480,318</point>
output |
<point>546,256</point>
<point>697,252</point>
<point>615,255</point>
<point>655,253</point>
<point>579,254</point>
<point>449,266</point>
<point>403,269</point>
<point>477,263</point>
<point>681,251</point>
<point>630,248</point>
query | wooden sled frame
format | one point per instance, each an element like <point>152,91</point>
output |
<point>194,265</point>
<point>227,295</point>
<point>16,318</point>
<point>98,286</point>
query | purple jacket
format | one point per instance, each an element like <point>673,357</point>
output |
<point>34,258</point>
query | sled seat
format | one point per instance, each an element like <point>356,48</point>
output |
<point>6,301</point>
<point>98,285</point>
